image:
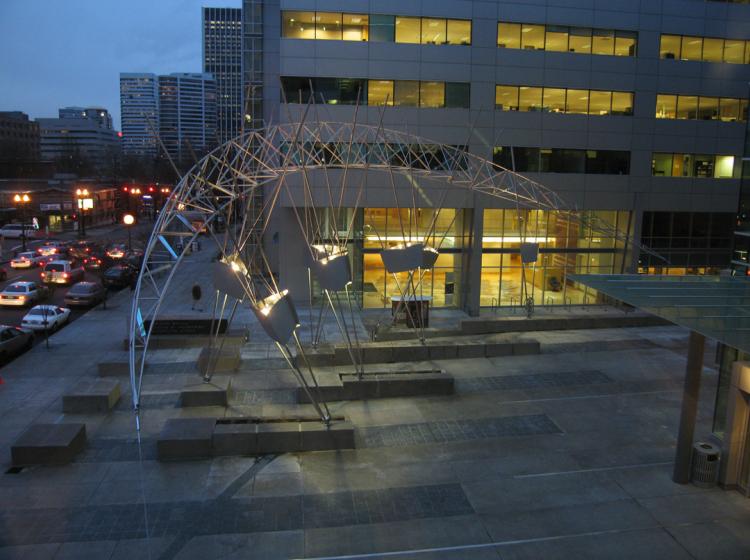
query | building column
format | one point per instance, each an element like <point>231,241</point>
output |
<point>473,258</point>
<point>737,426</point>
<point>689,412</point>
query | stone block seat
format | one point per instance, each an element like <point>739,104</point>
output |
<point>49,444</point>
<point>185,438</point>
<point>92,396</point>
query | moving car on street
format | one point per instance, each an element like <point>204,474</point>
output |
<point>83,249</point>
<point>29,259</point>
<point>3,274</point>
<point>53,249</point>
<point>116,251</point>
<point>85,293</point>
<point>92,262</point>
<point>46,317</point>
<point>14,341</point>
<point>62,272</point>
<point>23,293</point>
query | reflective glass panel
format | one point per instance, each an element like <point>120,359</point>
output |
<point>670,46</point>
<point>356,27</point>
<point>506,98</point>
<point>433,31</point>
<point>682,165</point>
<point>622,103</point>
<point>530,98</point>
<point>666,106</point>
<point>298,25</point>
<point>380,92</point>
<point>600,102</point>
<point>687,107</point>
<point>408,30</point>
<point>509,35</point>
<point>432,94</point>
<point>532,37</point>
<point>406,93</point>
<point>328,26</point>
<point>382,28</point>
<point>577,102</point>
<point>457,95</point>
<point>580,40</point>
<point>603,42</point>
<point>554,100</point>
<point>459,32</point>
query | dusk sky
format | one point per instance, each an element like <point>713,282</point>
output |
<point>57,53</point>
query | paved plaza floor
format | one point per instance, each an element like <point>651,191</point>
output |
<point>564,454</point>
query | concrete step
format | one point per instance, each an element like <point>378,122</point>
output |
<point>486,325</point>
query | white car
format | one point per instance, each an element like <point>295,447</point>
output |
<point>16,231</point>
<point>28,259</point>
<point>46,317</point>
<point>22,293</point>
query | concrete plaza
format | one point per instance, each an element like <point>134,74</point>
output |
<point>563,454</point>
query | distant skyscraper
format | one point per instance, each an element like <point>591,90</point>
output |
<point>187,113</point>
<point>99,114</point>
<point>222,57</point>
<point>139,106</point>
<point>252,63</point>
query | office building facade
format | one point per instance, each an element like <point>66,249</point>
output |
<point>634,113</point>
<point>19,141</point>
<point>139,113</point>
<point>222,58</point>
<point>80,132</point>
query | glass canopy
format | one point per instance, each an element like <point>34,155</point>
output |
<point>716,306</point>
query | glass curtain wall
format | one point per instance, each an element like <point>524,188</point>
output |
<point>569,243</point>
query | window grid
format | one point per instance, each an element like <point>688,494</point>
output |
<point>562,160</point>
<point>342,26</point>
<point>706,49</point>
<point>563,100</point>
<point>692,107</point>
<point>557,38</point>
<point>714,166</point>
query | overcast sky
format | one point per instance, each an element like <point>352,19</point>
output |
<point>56,53</point>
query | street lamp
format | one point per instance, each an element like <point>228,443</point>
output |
<point>82,195</point>
<point>22,200</point>
<point>128,220</point>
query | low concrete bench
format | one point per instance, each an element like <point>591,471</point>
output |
<point>216,392</point>
<point>185,438</point>
<point>99,395</point>
<point>49,444</point>
<point>228,359</point>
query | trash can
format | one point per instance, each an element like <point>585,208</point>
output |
<point>705,464</point>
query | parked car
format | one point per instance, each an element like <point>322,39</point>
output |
<point>85,293</point>
<point>29,259</point>
<point>16,231</point>
<point>23,293</point>
<point>116,251</point>
<point>62,272</point>
<point>92,262</point>
<point>119,276</point>
<point>83,249</point>
<point>46,317</point>
<point>134,259</point>
<point>14,341</point>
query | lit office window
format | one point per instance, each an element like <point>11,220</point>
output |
<point>298,25</point>
<point>577,102</point>
<point>328,26</point>
<point>622,103</point>
<point>457,95</point>
<point>406,93</point>
<point>687,106</point>
<point>691,48</point>
<point>554,100</point>
<point>603,42</point>
<point>693,165</point>
<point>670,46</point>
<point>506,98</point>
<point>408,29</point>
<point>379,92</point>
<point>532,37</point>
<point>708,108</point>
<point>432,94</point>
<point>743,109</point>
<point>666,106</point>
<point>356,27</point>
<point>530,98</point>
<point>625,43</point>
<point>459,32</point>
<point>556,38</point>
<point>382,28</point>
<point>661,165</point>
<point>713,50</point>
<point>580,40</point>
<point>729,109</point>
<point>600,102</point>
<point>724,167</point>
<point>682,165</point>
<point>733,51</point>
<point>509,35</point>
<point>747,52</point>
<point>433,31</point>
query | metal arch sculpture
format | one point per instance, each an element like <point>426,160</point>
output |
<point>224,185</point>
